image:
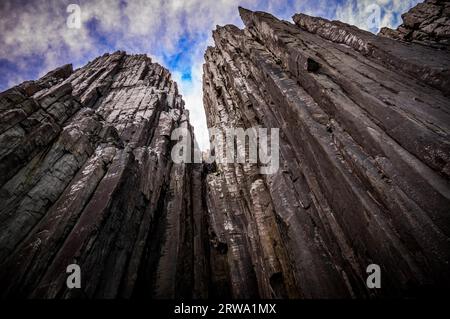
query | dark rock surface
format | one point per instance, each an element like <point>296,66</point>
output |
<point>427,23</point>
<point>365,160</point>
<point>87,178</point>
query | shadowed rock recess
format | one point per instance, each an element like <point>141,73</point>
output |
<point>87,175</point>
<point>87,178</point>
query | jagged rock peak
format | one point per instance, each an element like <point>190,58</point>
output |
<point>87,179</point>
<point>364,160</point>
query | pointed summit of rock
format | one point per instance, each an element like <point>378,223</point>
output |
<point>360,174</point>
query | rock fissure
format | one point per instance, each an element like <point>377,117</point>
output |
<point>87,175</point>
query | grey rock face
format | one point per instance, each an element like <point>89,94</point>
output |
<point>87,175</point>
<point>87,178</point>
<point>364,155</point>
<point>427,23</point>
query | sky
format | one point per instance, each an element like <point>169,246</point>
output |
<point>35,37</point>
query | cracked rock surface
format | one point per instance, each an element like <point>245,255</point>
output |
<point>427,23</point>
<point>364,160</point>
<point>87,178</point>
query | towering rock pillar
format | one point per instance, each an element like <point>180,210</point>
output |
<point>364,160</point>
<point>87,178</point>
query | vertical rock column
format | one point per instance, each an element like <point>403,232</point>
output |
<point>87,178</point>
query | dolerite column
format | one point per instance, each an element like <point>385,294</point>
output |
<point>87,178</point>
<point>364,153</point>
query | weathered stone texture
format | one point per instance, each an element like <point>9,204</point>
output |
<point>427,23</point>
<point>87,178</point>
<point>365,161</point>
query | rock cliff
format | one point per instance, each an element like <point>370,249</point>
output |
<point>88,177</point>
<point>364,159</point>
